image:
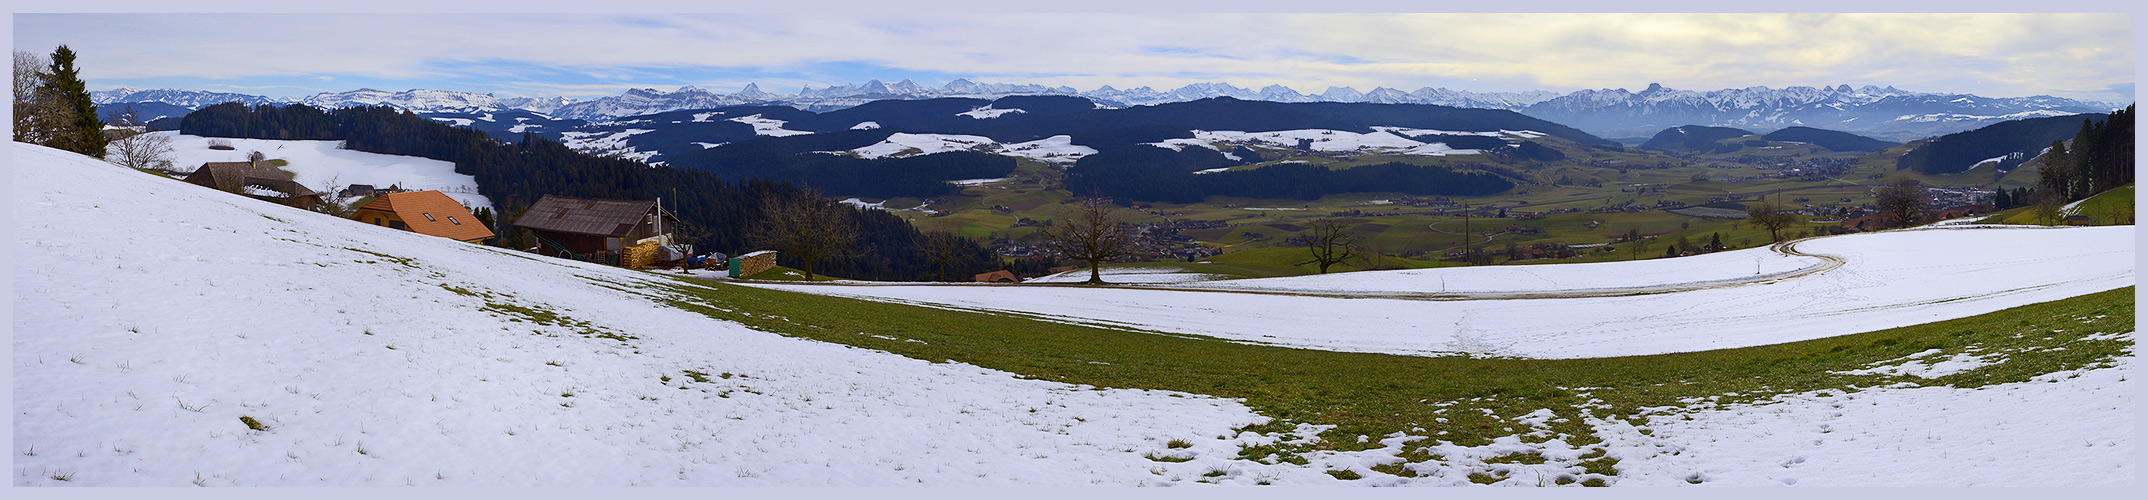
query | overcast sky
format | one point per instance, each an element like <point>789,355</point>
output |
<point>2082,56</point>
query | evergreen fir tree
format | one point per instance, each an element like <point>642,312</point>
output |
<point>79,129</point>
<point>2057,170</point>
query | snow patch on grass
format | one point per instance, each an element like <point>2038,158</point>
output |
<point>1999,435</point>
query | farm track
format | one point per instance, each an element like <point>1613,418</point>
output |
<point>1789,248</point>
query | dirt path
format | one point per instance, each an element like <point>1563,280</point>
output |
<point>1789,248</point>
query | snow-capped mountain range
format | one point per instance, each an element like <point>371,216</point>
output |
<point>1885,112</point>
<point>418,100</point>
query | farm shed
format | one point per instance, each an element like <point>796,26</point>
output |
<point>430,213</point>
<point>257,180</point>
<point>579,228</point>
<point>1000,276</point>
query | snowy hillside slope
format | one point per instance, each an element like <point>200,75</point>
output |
<point>368,356</point>
<point>1887,280</point>
<point>380,357</point>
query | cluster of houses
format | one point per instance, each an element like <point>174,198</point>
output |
<point>627,233</point>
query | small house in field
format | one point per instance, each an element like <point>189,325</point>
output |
<point>1000,276</point>
<point>579,227</point>
<point>257,180</point>
<point>357,190</point>
<point>429,213</point>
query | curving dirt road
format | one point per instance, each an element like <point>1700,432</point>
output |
<point>1787,248</point>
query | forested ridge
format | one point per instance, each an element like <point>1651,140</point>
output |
<point>717,214</point>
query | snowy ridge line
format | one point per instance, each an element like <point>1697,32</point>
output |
<point>1788,248</point>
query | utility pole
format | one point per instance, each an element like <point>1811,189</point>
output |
<point>1465,232</point>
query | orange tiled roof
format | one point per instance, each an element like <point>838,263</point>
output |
<point>448,218</point>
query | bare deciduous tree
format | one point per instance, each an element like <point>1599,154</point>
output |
<point>1766,215</point>
<point>139,148</point>
<point>332,203</point>
<point>29,106</point>
<point>2048,203</point>
<point>942,248</point>
<point>1901,204</point>
<point>1094,235</point>
<point>1330,242</point>
<point>809,227</point>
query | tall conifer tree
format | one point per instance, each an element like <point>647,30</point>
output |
<point>77,127</point>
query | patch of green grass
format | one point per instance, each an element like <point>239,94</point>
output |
<point>1379,394</point>
<point>406,262</point>
<point>1531,458</point>
<point>1401,469</point>
<point>542,316</point>
<point>251,423</point>
<point>1346,475</point>
<point>1168,458</point>
<point>2111,207</point>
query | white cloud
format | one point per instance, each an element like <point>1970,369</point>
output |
<point>1993,54</point>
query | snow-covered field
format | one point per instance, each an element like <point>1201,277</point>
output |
<point>138,348</point>
<point>1721,267</point>
<point>2061,429</point>
<point>1888,280</point>
<point>1145,275</point>
<point>988,112</point>
<point>607,143</point>
<point>316,164</point>
<point>372,356</point>
<point>1380,141</point>
<point>1057,149</point>
<point>764,126</point>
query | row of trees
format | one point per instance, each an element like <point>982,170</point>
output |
<point>715,214</point>
<point>52,106</point>
<point>2101,158</point>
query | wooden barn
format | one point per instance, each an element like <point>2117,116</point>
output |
<point>429,213</point>
<point>578,228</point>
<point>258,180</point>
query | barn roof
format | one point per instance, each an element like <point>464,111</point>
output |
<point>248,173</point>
<point>567,214</point>
<point>431,213</point>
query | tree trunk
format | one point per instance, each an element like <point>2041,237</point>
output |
<point>1096,276</point>
<point>1324,266</point>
